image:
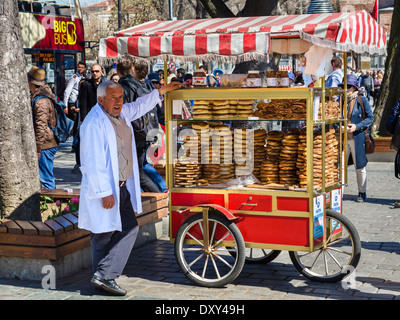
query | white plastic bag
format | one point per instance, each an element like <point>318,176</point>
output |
<point>318,61</point>
<point>242,181</point>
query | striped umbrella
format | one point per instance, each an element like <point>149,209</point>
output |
<point>246,38</point>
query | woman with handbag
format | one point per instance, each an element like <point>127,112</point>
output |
<point>359,118</point>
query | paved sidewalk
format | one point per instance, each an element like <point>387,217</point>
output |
<point>152,272</point>
<point>64,161</point>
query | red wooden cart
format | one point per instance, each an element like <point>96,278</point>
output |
<point>216,228</point>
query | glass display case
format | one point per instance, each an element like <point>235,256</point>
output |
<point>265,138</point>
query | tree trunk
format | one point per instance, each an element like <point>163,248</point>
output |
<point>390,88</point>
<point>217,9</point>
<point>254,8</point>
<point>19,174</point>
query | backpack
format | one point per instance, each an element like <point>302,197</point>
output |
<point>146,127</point>
<point>64,125</point>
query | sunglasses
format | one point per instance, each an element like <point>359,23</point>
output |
<point>96,71</point>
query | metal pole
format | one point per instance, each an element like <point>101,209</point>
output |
<point>170,10</point>
<point>377,12</point>
<point>119,15</point>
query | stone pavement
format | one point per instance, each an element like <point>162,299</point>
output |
<point>152,272</point>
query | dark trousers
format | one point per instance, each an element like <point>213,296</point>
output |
<point>77,143</point>
<point>146,182</point>
<point>74,116</point>
<point>111,250</point>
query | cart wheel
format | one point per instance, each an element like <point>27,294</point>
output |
<point>212,265</point>
<point>259,256</point>
<point>337,258</point>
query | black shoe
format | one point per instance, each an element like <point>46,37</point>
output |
<point>362,196</point>
<point>76,169</point>
<point>108,285</point>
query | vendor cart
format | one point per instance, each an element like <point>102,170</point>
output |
<point>235,195</point>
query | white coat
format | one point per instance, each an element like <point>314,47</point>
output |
<point>99,166</point>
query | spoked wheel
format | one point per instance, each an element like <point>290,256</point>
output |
<point>259,256</point>
<point>337,258</point>
<point>201,253</point>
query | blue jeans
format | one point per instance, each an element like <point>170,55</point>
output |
<point>155,176</point>
<point>46,168</point>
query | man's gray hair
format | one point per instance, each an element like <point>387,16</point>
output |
<point>102,88</point>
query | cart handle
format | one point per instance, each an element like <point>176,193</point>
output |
<point>249,204</point>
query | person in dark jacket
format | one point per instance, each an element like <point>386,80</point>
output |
<point>355,133</point>
<point>367,82</point>
<point>87,98</point>
<point>134,84</point>
<point>88,91</point>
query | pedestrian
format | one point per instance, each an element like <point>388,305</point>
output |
<point>188,80</point>
<point>71,96</point>
<point>367,82</point>
<point>134,84</point>
<point>180,74</point>
<point>87,98</point>
<point>298,80</point>
<point>161,75</point>
<point>157,149</point>
<point>113,75</point>
<point>110,191</point>
<point>217,76</point>
<point>44,117</point>
<point>336,77</point>
<point>170,75</point>
<point>360,117</point>
<point>358,73</point>
<point>156,81</point>
<point>377,87</point>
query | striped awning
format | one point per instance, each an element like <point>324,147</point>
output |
<point>245,38</point>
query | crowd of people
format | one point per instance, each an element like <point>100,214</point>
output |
<point>371,81</point>
<point>80,96</point>
<point>368,82</point>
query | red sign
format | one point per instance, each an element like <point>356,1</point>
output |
<point>172,65</point>
<point>53,32</point>
<point>285,67</point>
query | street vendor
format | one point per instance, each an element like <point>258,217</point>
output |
<point>110,190</point>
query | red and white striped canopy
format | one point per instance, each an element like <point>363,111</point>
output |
<point>245,38</point>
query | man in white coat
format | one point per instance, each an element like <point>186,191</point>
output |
<point>110,191</point>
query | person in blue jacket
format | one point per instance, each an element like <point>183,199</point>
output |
<point>358,121</point>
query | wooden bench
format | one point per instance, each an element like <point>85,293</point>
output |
<point>382,144</point>
<point>54,239</point>
<point>382,153</point>
<point>60,193</point>
<point>51,239</point>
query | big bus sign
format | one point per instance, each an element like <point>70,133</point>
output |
<point>41,31</point>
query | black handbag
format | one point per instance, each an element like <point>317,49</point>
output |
<point>397,165</point>
<point>369,141</point>
<point>395,142</point>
